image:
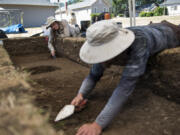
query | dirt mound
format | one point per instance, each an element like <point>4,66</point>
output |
<point>18,115</point>
<point>164,74</point>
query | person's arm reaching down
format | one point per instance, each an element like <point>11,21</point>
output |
<point>88,84</point>
<point>50,42</point>
<point>90,81</point>
<point>117,100</point>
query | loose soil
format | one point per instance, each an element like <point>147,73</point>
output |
<point>56,82</point>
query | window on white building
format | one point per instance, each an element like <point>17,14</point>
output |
<point>104,9</point>
<point>95,10</point>
<point>110,9</point>
<point>173,7</point>
<point>55,1</point>
<point>107,9</point>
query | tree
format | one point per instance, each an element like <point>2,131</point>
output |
<point>74,1</point>
<point>119,6</point>
<point>143,2</point>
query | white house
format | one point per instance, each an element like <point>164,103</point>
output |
<point>35,12</point>
<point>173,7</point>
<point>83,10</point>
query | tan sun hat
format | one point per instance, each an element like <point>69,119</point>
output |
<point>50,20</point>
<point>105,40</point>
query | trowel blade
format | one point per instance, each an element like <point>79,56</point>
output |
<point>65,112</point>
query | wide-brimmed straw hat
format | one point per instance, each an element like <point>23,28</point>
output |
<point>105,40</point>
<point>50,20</point>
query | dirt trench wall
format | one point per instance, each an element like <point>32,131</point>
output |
<point>163,76</point>
<point>69,47</point>
<point>25,46</point>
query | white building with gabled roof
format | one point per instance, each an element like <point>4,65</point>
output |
<point>173,7</point>
<point>83,10</point>
<point>35,12</point>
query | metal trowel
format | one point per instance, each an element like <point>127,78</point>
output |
<point>69,110</point>
<point>65,112</point>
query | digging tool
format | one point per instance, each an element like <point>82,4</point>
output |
<point>65,112</point>
<point>69,110</point>
<point>37,34</point>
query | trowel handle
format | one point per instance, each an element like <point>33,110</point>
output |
<point>83,102</point>
<point>81,106</point>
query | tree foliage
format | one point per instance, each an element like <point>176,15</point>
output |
<point>143,2</point>
<point>120,6</point>
<point>159,11</point>
<point>74,1</point>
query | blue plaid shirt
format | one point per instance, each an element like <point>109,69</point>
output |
<point>148,41</point>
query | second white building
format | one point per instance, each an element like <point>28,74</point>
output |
<point>83,10</point>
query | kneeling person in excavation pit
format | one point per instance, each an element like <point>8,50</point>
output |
<point>58,29</point>
<point>104,46</point>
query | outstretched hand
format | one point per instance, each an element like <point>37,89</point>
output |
<point>90,129</point>
<point>53,53</point>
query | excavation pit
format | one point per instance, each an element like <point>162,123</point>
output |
<point>55,82</point>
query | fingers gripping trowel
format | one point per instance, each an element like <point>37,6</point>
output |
<point>69,110</point>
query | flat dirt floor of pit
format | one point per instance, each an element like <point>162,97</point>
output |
<point>57,81</point>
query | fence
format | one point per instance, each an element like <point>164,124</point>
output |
<point>10,17</point>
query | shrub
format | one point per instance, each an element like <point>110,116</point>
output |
<point>160,11</point>
<point>112,15</point>
<point>121,15</point>
<point>95,15</point>
<point>143,14</point>
<point>149,14</point>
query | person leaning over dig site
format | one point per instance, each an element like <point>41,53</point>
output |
<point>104,46</point>
<point>58,29</point>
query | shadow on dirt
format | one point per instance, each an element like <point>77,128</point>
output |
<point>41,69</point>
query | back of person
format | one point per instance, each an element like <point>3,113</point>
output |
<point>66,28</point>
<point>159,36</point>
<point>74,30</point>
<point>73,20</point>
<point>70,30</point>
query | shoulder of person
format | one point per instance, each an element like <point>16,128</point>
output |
<point>64,22</point>
<point>50,30</point>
